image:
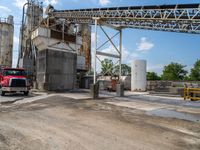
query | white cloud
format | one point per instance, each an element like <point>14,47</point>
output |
<point>52,2</point>
<point>144,45</point>
<point>19,3</point>
<point>4,11</point>
<point>155,68</point>
<point>104,2</point>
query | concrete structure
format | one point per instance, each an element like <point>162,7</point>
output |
<point>56,70</point>
<point>138,75</point>
<point>6,41</point>
<point>85,51</point>
<point>94,90</point>
<point>32,16</point>
<point>63,50</point>
<point>120,90</point>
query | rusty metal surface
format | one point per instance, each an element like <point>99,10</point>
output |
<point>86,44</point>
<point>67,37</point>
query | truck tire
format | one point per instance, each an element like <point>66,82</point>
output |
<point>26,93</point>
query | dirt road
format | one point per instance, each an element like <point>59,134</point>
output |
<point>59,123</point>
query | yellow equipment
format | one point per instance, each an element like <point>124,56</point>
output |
<point>191,93</point>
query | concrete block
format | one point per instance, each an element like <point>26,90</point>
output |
<point>56,70</point>
<point>94,90</point>
<point>120,90</point>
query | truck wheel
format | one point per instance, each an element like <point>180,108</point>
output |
<point>3,93</point>
<point>26,93</point>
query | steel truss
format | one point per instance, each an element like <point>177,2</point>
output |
<point>174,18</point>
<point>98,53</point>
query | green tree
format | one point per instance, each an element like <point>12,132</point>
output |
<point>126,70</point>
<point>107,67</point>
<point>195,71</point>
<point>187,78</point>
<point>153,76</point>
<point>174,71</point>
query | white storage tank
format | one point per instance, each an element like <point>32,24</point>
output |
<point>138,75</point>
<point>6,41</point>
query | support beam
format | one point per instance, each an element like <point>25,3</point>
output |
<point>120,60</point>
<point>95,50</point>
<point>108,55</point>
<point>118,49</point>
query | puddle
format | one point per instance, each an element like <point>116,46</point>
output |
<point>175,114</point>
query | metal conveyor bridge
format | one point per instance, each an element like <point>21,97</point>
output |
<point>183,18</point>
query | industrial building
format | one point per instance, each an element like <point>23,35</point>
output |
<point>73,106</point>
<point>54,50</point>
<point>6,41</point>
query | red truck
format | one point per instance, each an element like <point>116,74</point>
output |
<point>13,80</point>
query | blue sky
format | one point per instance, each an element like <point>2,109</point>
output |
<point>158,48</point>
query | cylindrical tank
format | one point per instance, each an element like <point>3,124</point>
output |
<point>6,41</point>
<point>138,75</point>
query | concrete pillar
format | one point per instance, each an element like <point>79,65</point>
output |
<point>94,91</point>
<point>120,90</point>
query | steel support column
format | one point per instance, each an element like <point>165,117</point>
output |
<point>95,50</point>
<point>120,60</point>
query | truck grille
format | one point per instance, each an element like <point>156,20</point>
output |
<point>18,83</point>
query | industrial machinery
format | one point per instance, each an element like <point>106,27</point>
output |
<point>192,94</point>
<point>13,80</point>
<point>32,15</point>
<point>183,18</point>
<point>65,33</point>
<point>113,84</point>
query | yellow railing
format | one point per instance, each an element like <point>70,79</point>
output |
<point>192,93</point>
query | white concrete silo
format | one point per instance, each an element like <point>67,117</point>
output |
<point>138,75</point>
<point>6,41</point>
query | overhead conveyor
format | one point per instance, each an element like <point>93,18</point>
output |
<point>174,18</point>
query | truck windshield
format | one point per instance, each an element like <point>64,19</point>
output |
<point>14,72</point>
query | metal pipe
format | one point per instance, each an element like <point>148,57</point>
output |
<point>22,34</point>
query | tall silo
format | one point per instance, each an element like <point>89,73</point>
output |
<point>138,75</point>
<point>31,18</point>
<point>6,41</point>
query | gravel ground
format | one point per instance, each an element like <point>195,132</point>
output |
<point>61,123</point>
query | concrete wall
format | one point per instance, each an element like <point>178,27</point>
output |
<point>104,82</point>
<point>56,70</point>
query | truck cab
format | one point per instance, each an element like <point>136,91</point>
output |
<point>13,80</point>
